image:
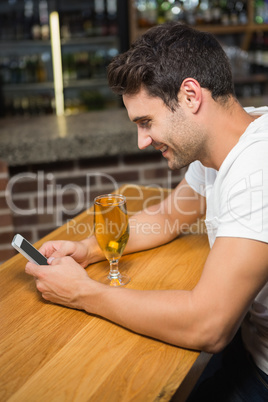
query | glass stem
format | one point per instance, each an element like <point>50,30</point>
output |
<point>114,273</point>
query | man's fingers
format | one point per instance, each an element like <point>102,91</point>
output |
<point>57,249</point>
<point>56,254</point>
<point>51,247</point>
<point>59,260</point>
<point>47,249</point>
<point>32,269</point>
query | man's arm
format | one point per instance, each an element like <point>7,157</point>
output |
<point>149,228</point>
<point>163,222</point>
<point>205,318</point>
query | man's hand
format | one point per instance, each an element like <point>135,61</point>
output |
<point>61,282</point>
<point>83,252</point>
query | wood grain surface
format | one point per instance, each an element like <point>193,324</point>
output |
<point>52,353</point>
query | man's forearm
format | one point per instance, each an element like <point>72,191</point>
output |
<point>147,231</point>
<point>162,222</point>
<point>166,315</point>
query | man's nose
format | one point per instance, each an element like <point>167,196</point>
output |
<point>144,140</point>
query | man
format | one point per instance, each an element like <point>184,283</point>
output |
<point>177,87</point>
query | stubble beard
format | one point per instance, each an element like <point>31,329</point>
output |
<point>191,147</point>
<point>179,162</point>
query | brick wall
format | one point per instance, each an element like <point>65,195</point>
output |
<point>6,219</point>
<point>43,197</point>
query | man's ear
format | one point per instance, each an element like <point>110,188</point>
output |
<point>191,94</point>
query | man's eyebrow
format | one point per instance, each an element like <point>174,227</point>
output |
<point>140,118</point>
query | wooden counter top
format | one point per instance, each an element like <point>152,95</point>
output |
<point>52,353</point>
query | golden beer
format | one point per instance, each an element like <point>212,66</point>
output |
<point>111,230</point>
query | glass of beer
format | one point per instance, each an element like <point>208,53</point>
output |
<point>112,232</point>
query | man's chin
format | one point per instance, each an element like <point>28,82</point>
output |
<point>173,165</point>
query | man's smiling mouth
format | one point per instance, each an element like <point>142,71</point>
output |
<point>160,147</point>
<point>163,149</point>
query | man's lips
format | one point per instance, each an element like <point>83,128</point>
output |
<point>163,149</point>
<point>160,147</point>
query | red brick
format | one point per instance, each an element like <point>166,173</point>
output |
<point>6,220</point>
<point>14,170</point>
<point>155,173</point>
<point>121,177</point>
<point>69,215</point>
<point>43,232</point>
<point>27,234</point>
<point>45,218</point>
<point>174,184</point>
<point>6,254</point>
<point>178,172</point>
<point>21,204</point>
<point>3,184</point>
<point>3,167</point>
<point>141,158</point>
<point>22,185</point>
<point>66,198</point>
<point>25,220</point>
<point>6,238</point>
<point>54,167</point>
<point>63,173</point>
<point>80,181</point>
<point>92,194</point>
<point>3,203</point>
<point>95,163</point>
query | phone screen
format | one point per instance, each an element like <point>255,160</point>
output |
<point>32,252</point>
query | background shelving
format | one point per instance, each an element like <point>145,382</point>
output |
<point>241,26</point>
<point>90,37</point>
<point>221,17</point>
<point>93,31</point>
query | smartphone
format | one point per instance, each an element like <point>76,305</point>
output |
<point>28,251</point>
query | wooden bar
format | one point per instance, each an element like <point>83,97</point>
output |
<point>52,353</point>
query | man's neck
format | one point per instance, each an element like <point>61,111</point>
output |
<point>226,124</point>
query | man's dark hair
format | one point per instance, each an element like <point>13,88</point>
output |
<point>164,56</point>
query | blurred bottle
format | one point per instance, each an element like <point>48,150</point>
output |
<point>5,73</point>
<point>190,11</point>
<point>2,99</point>
<point>261,11</point>
<point>88,20</point>
<point>112,17</point>
<point>193,12</point>
<point>242,10</point>
<point>100,22</point>
<point>68,66</point>
<point>178,11</point>
<point>256,50</point>
<point>28,105</point>
<point>147,13</point>
<point>41,74</point>
<point>163,8</point>
<point>82,65</point>
<point>44,19</point>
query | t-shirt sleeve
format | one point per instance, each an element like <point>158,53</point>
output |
<point>196,178</point>
<point>244,196</point>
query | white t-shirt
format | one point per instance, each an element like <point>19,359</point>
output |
<point>237,206</point>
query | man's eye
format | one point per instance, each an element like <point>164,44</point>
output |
<point>144,123</point>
